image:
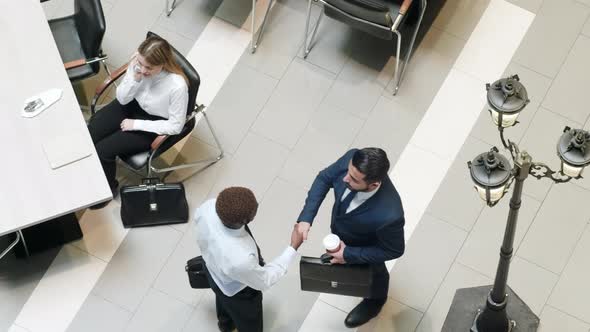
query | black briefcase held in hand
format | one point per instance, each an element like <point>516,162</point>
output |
<point>319,275</point>
<point>153,203</point>
<point>197,272</point>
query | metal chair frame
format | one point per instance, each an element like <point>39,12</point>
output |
<point>255,40</point>
<point>398,75</point>
<point>19,238</point>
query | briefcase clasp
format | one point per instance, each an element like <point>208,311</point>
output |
<point>153,206</point>
<point>334,284</point>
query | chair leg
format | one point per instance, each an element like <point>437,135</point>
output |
<point>309,43</point>
<point>19,237</point>
<point>261,30</point>
<point>170,8</point>
<point>252,31</point>
<point>396,75</point>
<point>208,161</point>
<point>410,48</point>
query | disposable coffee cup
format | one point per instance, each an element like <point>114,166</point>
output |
<point>332,243</point>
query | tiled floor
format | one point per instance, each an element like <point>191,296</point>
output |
<point>282,118</point>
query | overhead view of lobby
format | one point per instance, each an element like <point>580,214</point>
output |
<point>459,124</point>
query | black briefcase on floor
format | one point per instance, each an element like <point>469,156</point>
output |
<point>318,275</point>
<point>153,203</point>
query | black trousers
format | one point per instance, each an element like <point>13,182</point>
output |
<point>243,310</point>
<point>380,282</point>
<point>111,142</point>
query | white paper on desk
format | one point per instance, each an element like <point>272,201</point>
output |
<point>65,149</point>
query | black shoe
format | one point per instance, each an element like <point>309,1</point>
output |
<point>226,327</point>
<point>363,312</point>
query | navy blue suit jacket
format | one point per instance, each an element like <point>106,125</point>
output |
<point>374,231</point>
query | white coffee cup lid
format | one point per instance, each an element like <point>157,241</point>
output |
<point>331,241</point>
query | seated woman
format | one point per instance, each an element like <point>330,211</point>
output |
<point>151,100</point>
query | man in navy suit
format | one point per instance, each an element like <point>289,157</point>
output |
<point>367,216</point>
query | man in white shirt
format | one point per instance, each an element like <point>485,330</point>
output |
<point>237,273</point>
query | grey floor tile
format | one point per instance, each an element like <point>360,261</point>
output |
<point>283,36</point>
<point>122,38</point>
<point>456,202</point>
<point>293,102</point>
<point>536,85</point>
<point>189,18</point>
<point>255,165</point>
<point>279,313</point>
<point>160,312</point>
<point>394,317</point>
<point>532,283</point>
<point>539,141</point>
<point>562,214</point>
<point>586,29</point>
<point>459,276</point>
<point>532,6</point>
<point>567,95</point>
<point>51,8</point>
<point>389,126</point>
<point>178,41</point>
<point>135,266</point>
<point>173,279</point>
<point>18,279</point>
<point>330,48</point>
<point>555,320</point>
<point>430,252</point>
<point>572,290</point>
<point>365,75</point>
<point>203,318</point>
<point>236,106</point>
<point>99,315</point>
<point>326,138</point>
<point>459,17</point>
<point>481,249</point>
<point>470,149</point>
<point>427,69</point>
<point>551,36</point>
<point>235,12</point>
<point>586,2</point>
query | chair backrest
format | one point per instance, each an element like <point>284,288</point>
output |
<point>91,26</point>
<point>194,81</point>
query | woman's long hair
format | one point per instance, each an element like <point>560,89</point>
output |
<point>157,51</point>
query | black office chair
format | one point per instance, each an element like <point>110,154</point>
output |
<point>144,160</point>
<point>381,18</point>
<point>79,37</point>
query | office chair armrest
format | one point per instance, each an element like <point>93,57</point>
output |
<point>82,62</point>
<point>158,141</point>
<point>403,10</point>
<point>115,75</point>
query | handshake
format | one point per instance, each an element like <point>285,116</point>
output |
<point>299,234</point>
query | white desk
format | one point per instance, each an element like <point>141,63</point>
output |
<point>31,191</point>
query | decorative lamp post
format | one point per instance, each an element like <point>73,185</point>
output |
<point>492,176</point>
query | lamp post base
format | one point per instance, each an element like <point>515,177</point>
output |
<point>468,302</point>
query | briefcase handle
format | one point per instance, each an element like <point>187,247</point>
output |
<point>150,181</point>
<point>326,258</point>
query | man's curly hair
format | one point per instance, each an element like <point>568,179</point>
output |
<point>236,206</point>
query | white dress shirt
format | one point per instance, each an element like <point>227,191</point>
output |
<point>360,198</point>
<point>164,95</point>
<point>231,255</point>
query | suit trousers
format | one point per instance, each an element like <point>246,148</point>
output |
<point>243,310</point>
<point>111,142</point>
<point>380,282</point>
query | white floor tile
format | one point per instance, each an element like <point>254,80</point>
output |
<point>70,279</point>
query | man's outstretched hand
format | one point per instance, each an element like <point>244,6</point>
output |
<point>296,238</point>
<point>303,228</point>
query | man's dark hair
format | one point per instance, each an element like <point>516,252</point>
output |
<point>372,162</point>
<point>236,206</point>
